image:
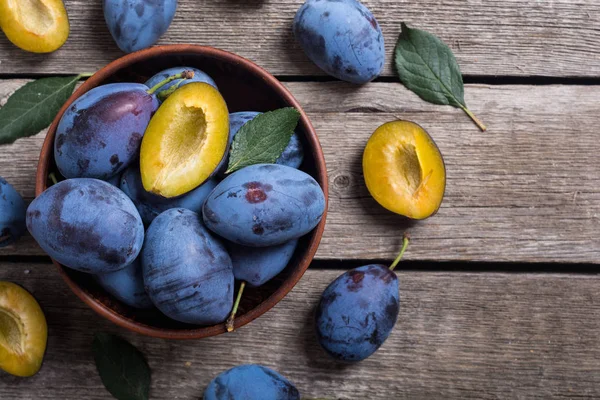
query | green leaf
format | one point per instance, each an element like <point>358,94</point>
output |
<point>122,368</point>
<point>263,139</point>
<point>33,107</point>
<point>427,66</point>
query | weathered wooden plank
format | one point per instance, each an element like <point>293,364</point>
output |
<point>526,190</point>
<point>511,37</point>
<point>519,192</point>
<point>459,335</point>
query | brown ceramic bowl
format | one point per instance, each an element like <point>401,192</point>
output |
<point>246,87</point>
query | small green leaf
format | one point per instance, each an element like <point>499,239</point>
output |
<point>427,66</point>
<point>122,368</point>
<point>33,107</point>
<point>263,139</point>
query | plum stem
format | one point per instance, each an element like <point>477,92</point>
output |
<point>52,178</point>
<point>85,75</point>
<point>182,75</point>
<point>477,121</point>
<point>405,242</point>
<point>231,320</point>
<point>162,96</point>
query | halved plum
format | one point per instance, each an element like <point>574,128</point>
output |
<point>185,140</point>
<point>23,331</point>
<point>38,26</point>
<point>404,170</point>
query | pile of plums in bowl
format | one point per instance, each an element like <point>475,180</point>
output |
<point>140,208</point>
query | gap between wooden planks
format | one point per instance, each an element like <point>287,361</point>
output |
<point>459,336</point>
<point>490,37</point>
<point>525,191</point>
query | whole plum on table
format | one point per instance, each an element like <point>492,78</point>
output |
<point>12,214</point>
<point>169,88</point>
<point>137,24</point>
<point>264,205</point>
<point>127,285</point>
<point>187,271</point>
<point>151,205</point>
<point>342,37</point>
<point>292,155</point>
<point>251,382</point>
<point>358,311</point>
<point>87,224</point>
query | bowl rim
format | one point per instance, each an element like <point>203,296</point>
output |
<point>321,176</point>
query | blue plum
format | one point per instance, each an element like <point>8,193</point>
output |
<point>137,24</point>
<point>292,155</point>
<point>87,224</point>
<point>251,382</point>
<point>151,205</point>
<point>127,285</point>
<point>258,265</point>
<point>357,312</point>
<point>342,37</point>
<point>12,214</point>
<point>164,91</point>
<point>101,132</point>
<point>264,205</point>
<point>187,271</point>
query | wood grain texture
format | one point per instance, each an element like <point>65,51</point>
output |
<point>526,190</point>
<point>510,37</point>
<point>459,336</point>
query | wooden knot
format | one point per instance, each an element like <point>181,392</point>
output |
<point>341,181</point>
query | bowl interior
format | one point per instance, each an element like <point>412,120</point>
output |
<point>245,87</point>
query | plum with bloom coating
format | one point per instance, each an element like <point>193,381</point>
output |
<point>251,382</point>
<point>358,311</point>
<point>137,24</point>
<point>12,214</point>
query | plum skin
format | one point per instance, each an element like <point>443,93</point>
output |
<point>342,37</point>
<point>199,76</point>
<point>258,265</point>
<point>87,225</point>
<point>251,381</point>
<point>12,214</point>
<point>187,271</point>
<point>292,155</point>
<point>137,24</point>
<point>357,312</point>
<point>100,134</point>
<point>127,285</point>
<point>151,205</point>
<point>264,205</point>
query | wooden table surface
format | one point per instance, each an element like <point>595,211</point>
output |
<point>500,288</point>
